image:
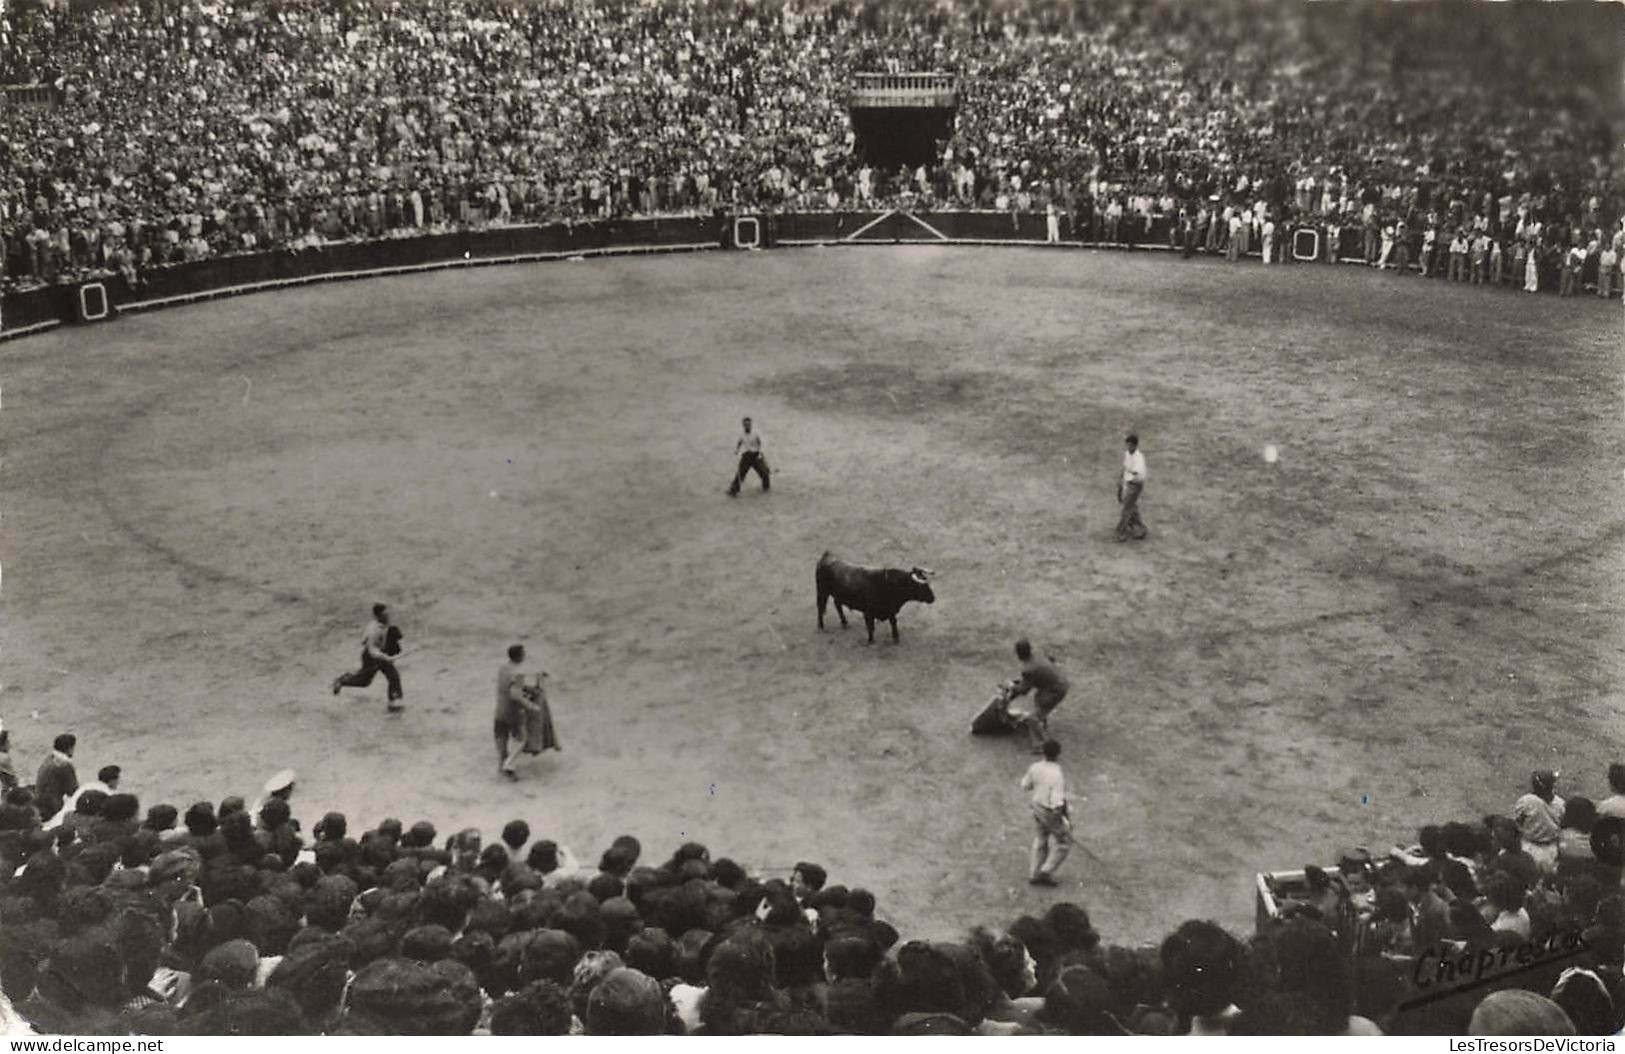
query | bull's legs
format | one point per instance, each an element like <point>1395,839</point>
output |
<point>841,611</point>
<point>869,624</point>
<point>894,638</point>
<point>823,598</point>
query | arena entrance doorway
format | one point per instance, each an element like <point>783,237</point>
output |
<point>899,118</point>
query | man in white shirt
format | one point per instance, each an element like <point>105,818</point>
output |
<point>375,639</point>
<point>749,452</point>
<point>1129,524</point>
<point>1539,815</point>
<point>1268,237</point>
<point>1046,786</point>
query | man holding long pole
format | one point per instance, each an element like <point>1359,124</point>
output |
<point>1046,785</point>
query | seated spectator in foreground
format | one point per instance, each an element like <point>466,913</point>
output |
<point>1079,1004</point>
<point>807,879</point>
<point>1300,957</point>
<point>1453,874</point>
<point>627,1003</point>
<point>1614,804</point>
<point>1506,900</point>
<point>739,987</point>
<point>1016,973</point>
<point>1606,934</point>
<point>8,770</point>
<point>1507,854</point>
<point>164,820</point>
<point>515,833</point>
<point>1468,927</point>
<point>1584,997</point>
<point>1431,922</point>
<point>541,1008</point>
<point>1539,815</point>
<point>1202,967</point>
<point>1515,1012</point>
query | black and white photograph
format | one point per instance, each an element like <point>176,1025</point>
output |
<point>823,518</point>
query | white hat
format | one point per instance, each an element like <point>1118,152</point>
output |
<point>281,781</point>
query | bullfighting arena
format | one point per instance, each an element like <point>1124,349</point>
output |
<point>1392,625</point>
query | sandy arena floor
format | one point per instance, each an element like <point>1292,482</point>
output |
<point>1392,626</point>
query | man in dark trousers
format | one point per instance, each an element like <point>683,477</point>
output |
<point>380,647</point>
<point>1129,488</point>
<point>57,779</point>
<point>749,451</point>
<point>1043,678</point>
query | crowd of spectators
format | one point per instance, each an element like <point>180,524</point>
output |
<point>227,919</point>
<point>189,130</point>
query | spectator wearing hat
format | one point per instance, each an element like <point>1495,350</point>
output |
<point>1129,489</point>
<point>278,787</point>
<point>1045,785</point>
<point>376,657</point>
<point>1539,815</point>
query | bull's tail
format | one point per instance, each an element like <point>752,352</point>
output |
<point>824,579</point>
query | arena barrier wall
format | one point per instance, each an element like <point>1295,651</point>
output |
<point>33,310</point>
<point>37,309</point>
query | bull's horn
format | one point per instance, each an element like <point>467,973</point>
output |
<point>924,573</point>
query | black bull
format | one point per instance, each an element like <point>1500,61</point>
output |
<point>878,594</point>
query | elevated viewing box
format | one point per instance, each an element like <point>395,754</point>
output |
<point>892,91</point>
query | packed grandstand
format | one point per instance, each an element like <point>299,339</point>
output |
<point>229,918</point>
<point>162,132</point>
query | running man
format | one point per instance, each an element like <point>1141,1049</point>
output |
<point>379,650</point>
<point>1129,488</point>
<point>749,452</point>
